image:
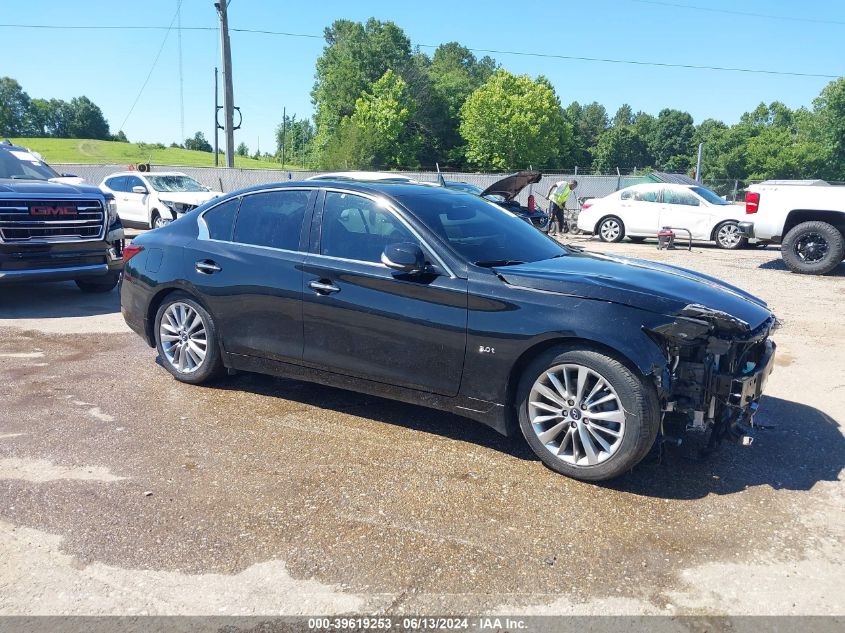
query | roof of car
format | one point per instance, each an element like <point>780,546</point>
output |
<point>9,146</point>
<point>145,173</point>
<point>363,176</point>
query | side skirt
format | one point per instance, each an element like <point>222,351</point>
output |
<point>488,413</point>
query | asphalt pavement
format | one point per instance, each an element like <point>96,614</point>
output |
<point>123,491</point>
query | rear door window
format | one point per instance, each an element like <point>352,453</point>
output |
<point>675,196</point>
<point>648,194</point>
<point>272,218</point>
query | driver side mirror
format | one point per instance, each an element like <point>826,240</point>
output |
<point>406,257</point>
<point>139,189</point>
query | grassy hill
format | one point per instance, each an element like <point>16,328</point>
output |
<point>74,150</point>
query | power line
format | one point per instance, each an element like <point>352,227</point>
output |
<point>749,14</point>
<point>152,68</point>
<point>605,60</point>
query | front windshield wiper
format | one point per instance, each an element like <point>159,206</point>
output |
<point>492,263</point>
<point>19,177</point>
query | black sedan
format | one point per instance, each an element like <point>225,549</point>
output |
<point>443,299</point>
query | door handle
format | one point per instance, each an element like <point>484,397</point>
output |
<point>323,287</point>
<point>207,266</point>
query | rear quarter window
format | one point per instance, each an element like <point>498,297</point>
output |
<point>221,220</point>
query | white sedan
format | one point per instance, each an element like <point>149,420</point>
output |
<point>154,199</point>
<point>641,211</point>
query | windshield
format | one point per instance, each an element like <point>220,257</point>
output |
<point>480,232</point>
<point>22,165</point>
<point>710,196</point>
<point>175,183</point>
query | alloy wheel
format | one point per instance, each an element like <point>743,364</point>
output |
<point>811,247</point>
<point>160,222</point>
<point>729,235</point>
<point>576,414</point>
<point>184,339</point>
<point>609,230</point>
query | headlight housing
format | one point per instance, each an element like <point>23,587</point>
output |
<point>111,210</point>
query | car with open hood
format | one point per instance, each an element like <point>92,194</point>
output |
<point>504,192</point>
<point>443,299</point>
<point>152,199</point>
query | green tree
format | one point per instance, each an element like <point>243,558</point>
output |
<point>454,73</point>
<point>120,137</point>
<point>355,57</point>
<point>198,143</point>
<point>14,109</point>
<point>670,141</point>
<point>513,121</point>
<point>828,129</point>
<point>86,120</point>
<point>620,146</point>
<point>385,138</point>
<point>298,140</point>
<point>242,150</point>
<point>624,116</point>
<point>588,123</point>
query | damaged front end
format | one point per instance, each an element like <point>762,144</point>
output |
<point>717,367</point>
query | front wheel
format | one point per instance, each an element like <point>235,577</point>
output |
<point>611,229</point>
<point>813,248</point>
<point>186,338</point>
<point>727,235</point>
<point>156,222</point>
<point>585,414</point>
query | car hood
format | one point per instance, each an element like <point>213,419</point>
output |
<point>641,284</point>
<point>510,186</point>
<point>188,197</point>
<point>44,187</point>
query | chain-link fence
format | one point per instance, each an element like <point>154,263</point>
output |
<point>223,179</point>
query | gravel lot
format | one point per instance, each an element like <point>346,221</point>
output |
<point>123,491</point>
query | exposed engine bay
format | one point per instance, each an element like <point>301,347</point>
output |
<point>717,368</point>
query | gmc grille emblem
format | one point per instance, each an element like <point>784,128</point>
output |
<point>45,210</point>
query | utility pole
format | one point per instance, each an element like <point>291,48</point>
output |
<point>698,162</point>
<point>216,124</point>
<point>284,133</point>
<point>228,93</point>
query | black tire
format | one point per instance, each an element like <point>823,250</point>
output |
<point>636,398</point>
<point>102,284</point>
<point>607,233</point>
<point>802,245</point>
<point>155,218</point>
<point>211,365</point>
<point>636,239</point>
<point>727,236</point>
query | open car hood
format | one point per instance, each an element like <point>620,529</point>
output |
<point>510,186</point>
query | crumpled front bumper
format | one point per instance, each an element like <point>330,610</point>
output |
<point>747,387</point>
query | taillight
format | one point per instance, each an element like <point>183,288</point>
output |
<point>130,250</point>
<point>531,203</point>
<point>752,202</point>
<point>587,204</point>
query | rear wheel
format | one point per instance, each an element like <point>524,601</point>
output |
<point>727,235</point>
<point>611,229</point>
<point>813,248</point>
<point>105,283</point>
<point>186,338</point>
<point>585,414</point>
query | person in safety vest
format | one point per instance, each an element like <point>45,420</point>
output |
<point>558,195</point>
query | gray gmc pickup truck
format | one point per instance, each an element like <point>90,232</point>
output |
<point>53,231</point>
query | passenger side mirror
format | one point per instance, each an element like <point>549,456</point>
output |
<point>404,256</point>
<point>139,189</point>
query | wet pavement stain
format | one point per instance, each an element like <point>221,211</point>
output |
<point>374,496</point>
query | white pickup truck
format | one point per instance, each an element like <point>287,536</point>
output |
<point>807,217</point>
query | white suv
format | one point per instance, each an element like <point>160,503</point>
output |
<point>154,199</point>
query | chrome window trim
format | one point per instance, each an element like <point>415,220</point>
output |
<point>203,233</point>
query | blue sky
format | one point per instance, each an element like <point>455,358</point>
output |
<point>271,72</point>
